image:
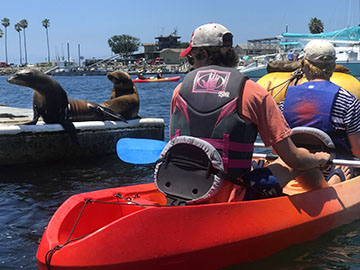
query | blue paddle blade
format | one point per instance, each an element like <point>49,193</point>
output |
<point>139,151</point>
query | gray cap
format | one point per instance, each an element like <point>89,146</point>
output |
<point>320,51</point>
<point>211,34</point>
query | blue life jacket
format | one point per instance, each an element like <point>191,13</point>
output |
<point>207,108</point>
<point>310,105</point>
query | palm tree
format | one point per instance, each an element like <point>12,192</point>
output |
<point>23,25</point>
<point>1,33</point>
<point>18,29</point>
<point>316,26</point>
<point>5,22</point>
<point>46,24</point>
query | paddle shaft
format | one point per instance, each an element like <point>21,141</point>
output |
<point>260,145</point>
<point>146,151</point>
<point>336,162</point>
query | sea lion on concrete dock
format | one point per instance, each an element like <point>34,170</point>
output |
<point>124,98</point>
<point>50,101</point>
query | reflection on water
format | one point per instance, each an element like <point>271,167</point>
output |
<point>29,195</point>
<point>338,249</point>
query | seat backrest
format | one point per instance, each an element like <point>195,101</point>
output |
<point>189,170</point>
<point>313,139</point>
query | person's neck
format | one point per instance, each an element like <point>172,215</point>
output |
<point>317,80</point>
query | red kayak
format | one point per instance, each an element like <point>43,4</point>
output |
<point>129,228</point>
<point>154,79</point>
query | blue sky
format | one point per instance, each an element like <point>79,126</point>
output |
<point>91,23</point>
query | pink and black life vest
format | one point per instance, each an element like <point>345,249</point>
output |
<point>207,108</point>
<point>310,105</point>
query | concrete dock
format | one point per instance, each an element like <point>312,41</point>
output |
<point>44,142</point>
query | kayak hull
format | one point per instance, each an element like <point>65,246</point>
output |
<point>165,79</point>
<point>124,236</point>
<point>275,83</point>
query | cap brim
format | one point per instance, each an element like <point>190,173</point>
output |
<point>185,52</point>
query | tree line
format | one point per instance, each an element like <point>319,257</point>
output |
<point>119,44</point>
<point>126,44</point>
<point>21,26</point>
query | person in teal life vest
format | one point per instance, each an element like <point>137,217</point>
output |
<point>217,103</point>
<point>322,104</point>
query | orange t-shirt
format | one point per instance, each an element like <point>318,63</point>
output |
<point>258,107</point>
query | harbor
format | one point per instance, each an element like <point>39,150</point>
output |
<point>28,188</point>
<point>58,194</point>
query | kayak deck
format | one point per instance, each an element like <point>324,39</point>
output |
<point>125,228</point>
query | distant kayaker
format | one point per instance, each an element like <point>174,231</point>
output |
<point>322,104</point>
<point>215,101</point>
<point>141,76</point>
<point>159,75</point>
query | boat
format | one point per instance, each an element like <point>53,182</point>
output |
<point>278,82</point>
<point>130,228</point>
<point>258,67</point>
<point>154,79</point>
<point>346,42</point>
<point>254,70</point>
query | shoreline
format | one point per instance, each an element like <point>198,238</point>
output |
<point>175,69</point>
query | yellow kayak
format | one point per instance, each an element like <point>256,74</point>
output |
<point>276,83</point>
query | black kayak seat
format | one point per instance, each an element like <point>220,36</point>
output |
<point>189,170</point>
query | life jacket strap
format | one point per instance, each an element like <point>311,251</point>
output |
<point>226,145</point>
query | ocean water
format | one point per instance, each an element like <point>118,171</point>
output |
<point>30,194</point>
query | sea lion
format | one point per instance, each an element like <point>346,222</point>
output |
<point>50,101</point>
<point>124,98</point>
<point>282,66</point>
<point>290,66</point>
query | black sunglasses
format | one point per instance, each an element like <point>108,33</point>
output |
<point>190,59</point>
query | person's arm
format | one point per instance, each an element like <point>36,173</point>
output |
<point>299,158</point>
<point>354,140</point>
<point>300,164</point>
<point>347,107</point>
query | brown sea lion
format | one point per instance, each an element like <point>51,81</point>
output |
<point>282,66</point>
<point>342,69</point>
<point>290,66</point>
<point>50,101</point>
<point>124,98</point>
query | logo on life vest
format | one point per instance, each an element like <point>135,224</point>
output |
<point>211,81</point>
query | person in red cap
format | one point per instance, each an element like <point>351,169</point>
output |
<point>217,103</point>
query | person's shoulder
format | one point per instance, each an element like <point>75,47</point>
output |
<point>256,94</point>
<point>255,88</point>
<point>345,94</point>
<point>177,89</point>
